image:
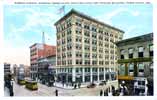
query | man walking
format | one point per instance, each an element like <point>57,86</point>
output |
<point>101,92</point>
<point>56,92</point>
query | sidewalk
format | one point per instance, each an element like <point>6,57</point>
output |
<point>6,92</point>
<point>60,85</point>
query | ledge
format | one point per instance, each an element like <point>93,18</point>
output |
<point>145,59</point>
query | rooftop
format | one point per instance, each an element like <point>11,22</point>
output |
<point>142,38</point>
<point>86,17</point>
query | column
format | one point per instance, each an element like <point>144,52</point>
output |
<point>73,74</point>
<point>104,74</point>
<point>91,75</point>
<point>83,75</point>
<point>98,74</point>
<point>110,74</point>
<point>126,69</point>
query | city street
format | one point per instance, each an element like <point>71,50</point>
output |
<point>43,90</point>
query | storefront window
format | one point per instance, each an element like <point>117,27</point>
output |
<point>122,69</point>
<point>131,69</point>
<point>141,69</point>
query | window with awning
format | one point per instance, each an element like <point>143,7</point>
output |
<point>141,49</point>
<point>150,47</point>
<point>130,50</point>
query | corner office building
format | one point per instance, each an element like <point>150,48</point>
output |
<point>85,49</point>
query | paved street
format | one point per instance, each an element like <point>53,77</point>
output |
<point>44,90</point>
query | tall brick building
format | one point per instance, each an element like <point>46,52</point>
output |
<point>38,51</point>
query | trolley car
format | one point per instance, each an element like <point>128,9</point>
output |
<point>32,85</point>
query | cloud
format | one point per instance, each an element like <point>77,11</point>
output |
<point>15,55</point>
<point>130,29</point>
<point>36,21</point>
<point>107,17</point>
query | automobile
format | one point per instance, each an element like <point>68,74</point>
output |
<point>102,83</point>
<point>92,85</point>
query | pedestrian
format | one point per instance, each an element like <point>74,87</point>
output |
<point>11,91</point>
<point>105,92</point>
<point>79,85</point>
<point>101,92</point>
<point>56,92</point>
<point>75,86</point>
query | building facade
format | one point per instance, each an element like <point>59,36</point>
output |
<point>136,60</point>
<point>7,69</point>
<point>46,69</point>
<point>85,49</point>
<point>27,71</point>
<point>38,51</point>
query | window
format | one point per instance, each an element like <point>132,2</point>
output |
<point>141,69</point>
<point>87,47</point>
<point>100,30</point>
<point>94,35</point>
<point>78,31</point>
<point>94,42</point>
<point>122,69</point>
<point>87,33</point>
<point>140,51</point>
<point>101,62</point>
<point>151,50</point>
<point>94,55</point>
<point>122,54</point>
<point>78,61</point>
<point>78,54</point>
<point>69,46</point>
<point>131,69</point>
<point>69,39</point>
<point>87,55</point>
<point>78,39</point>
<point>87,62</point>
<point>68,23</point>
<point>86,26</point>
<point>87,40</point>
<point>87,69</point>
<point>131,53</point>
<point>94,28</point>
<point>78,46</point>
<point>78,24</point>
<point>69,31</point>
<point>94,62</point>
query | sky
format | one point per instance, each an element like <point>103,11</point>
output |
<point>23,24</point>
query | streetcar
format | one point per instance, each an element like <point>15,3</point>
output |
<point>21,76</point>
<point>30,84</point>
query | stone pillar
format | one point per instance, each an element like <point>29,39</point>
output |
<point>98,74</point>
<point>91,75</point>
<point>104,74</point>
<point>73,74</point>
<point>83,75</point>
<point>110,74</point>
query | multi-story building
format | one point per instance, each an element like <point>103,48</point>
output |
<point>37,51</point>
<point>46,68</point>
<point>15,69</point>
<point>27,71</point>
<point>136,60</point>
<point>85,49</point>
<point>21,72</point>
<point>7,69</point>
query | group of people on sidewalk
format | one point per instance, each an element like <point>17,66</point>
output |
<point>109,91</point>
<point>72,84</point>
